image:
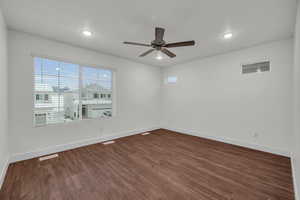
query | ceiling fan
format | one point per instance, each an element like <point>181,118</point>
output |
<point>160,45</point>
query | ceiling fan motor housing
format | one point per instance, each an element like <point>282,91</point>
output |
<point>158,44</point>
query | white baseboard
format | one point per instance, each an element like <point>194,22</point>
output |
<point>64,147</point>
<point>231,141</point>
<point>3,172</point>
<point>293,162</point>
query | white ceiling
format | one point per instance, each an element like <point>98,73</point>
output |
<point>114,21</point>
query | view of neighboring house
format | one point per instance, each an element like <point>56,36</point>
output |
<point>54,105</point>
<point>96,101</point>
<point>47,105</point>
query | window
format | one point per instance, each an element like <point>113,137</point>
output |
<point>46,97</point>
<point>96,81</point>
<point>171,79</point>
<point>96,96</point>
<point>42,97</point>
<point>67,92</point>
<point>40,119</point>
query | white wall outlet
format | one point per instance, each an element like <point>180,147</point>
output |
<point>255,135</point>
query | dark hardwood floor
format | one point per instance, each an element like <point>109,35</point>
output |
<point>162,165</point>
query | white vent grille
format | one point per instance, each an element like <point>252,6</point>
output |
<point>108,142</point>
<point>48,157</point>
<point>256,67</point>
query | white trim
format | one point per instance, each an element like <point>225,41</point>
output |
<point>59,148</point>
<point>294,177</point>
<point>231,141</point>
<point>3,172</point>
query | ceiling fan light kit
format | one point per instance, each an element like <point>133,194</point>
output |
<point>159,55</point>
<point>160,45</point>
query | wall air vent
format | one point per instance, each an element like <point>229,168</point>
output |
<point>108,142</point>
<point>48,157</point>
<point>256,67</point>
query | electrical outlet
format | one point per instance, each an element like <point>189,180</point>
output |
<point>255,135</point>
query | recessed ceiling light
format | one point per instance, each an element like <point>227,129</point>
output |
<point>227,35</point>
<point>87,33</point>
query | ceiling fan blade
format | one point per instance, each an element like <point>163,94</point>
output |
<point>146,53</point>
<point>180,44</point>
<point>159,34</point>
<point>168,53</point>
<point>139,44</point>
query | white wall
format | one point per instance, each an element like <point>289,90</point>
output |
<point>138,96</point>
<point>212,98</point>
<point>296,109</point>
<point>3,100</point>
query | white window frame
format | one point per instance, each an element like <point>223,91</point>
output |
<point>81,65</point>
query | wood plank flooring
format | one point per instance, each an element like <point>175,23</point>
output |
<point>158,166</point>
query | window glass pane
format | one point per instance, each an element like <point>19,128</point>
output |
<point>69,84</point>
<point>54,91</point>
<point>46,66</point>
<point>45,83</point>
<point>48,112</point>
<point>69,90</point>
<point>69,70</point>
<point>89,84</point>
<point>102,76</point>
<point>37,65</point>
<point>96,83</point>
